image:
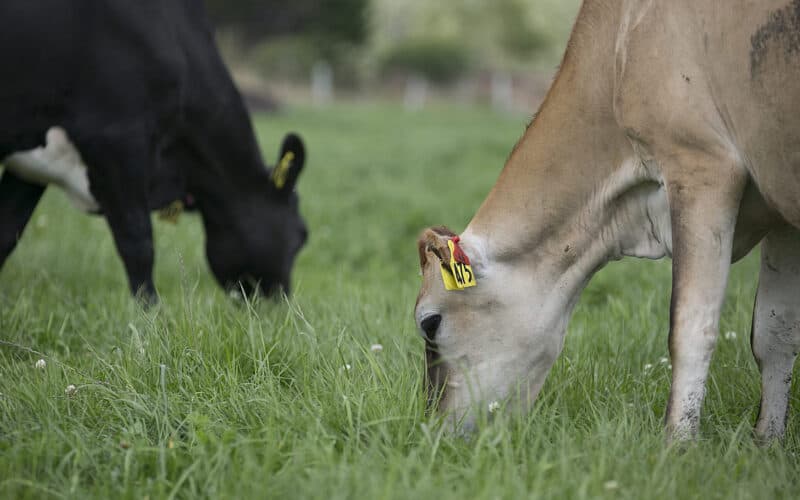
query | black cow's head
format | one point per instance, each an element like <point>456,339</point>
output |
<point>257,244</point>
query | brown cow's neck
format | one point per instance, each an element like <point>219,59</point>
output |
<point>573,177</point>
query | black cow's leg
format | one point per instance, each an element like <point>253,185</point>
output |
<point>18,199</point>
<point>118,180</point>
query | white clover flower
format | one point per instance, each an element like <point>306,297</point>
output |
<point>647,367</point>
<point>663,360</point>
<point>41,364</point>
<point>71,390</point>
<point>611,485</point>
<point>376,348</point>
<point>730,335</point>
<point>494,406</point>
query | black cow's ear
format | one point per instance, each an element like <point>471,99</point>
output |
<point>290,163</point>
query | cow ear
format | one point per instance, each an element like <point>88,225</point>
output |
<point>290,163</point>
<point>433,244</point>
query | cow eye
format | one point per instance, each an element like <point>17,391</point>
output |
<point>430,325</point>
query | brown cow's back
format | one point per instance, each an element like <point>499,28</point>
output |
<point>724,73</point>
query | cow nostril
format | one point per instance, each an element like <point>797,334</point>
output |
<point>430,325</point>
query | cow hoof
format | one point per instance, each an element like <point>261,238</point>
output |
<point>680,437</point>
<point>146,297</point>
<point>765,438</point>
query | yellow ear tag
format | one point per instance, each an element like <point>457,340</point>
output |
<point>458,274</point>
<point>448,278</point>
<point>281,170</point>
<point>171,212</point>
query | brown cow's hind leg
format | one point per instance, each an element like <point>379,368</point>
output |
<point>776,328</point>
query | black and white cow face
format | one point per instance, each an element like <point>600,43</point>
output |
<point>256,250</point>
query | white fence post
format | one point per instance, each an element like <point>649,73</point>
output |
<point>502,90</point>
<point>321,83</point>
<point>416,93</point>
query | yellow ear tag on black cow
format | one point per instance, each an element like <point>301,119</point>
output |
<point>171,212</point>
<point>281,170</point>
<point>457,274</point>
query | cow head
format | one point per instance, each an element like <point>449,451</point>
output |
<point>255,247</point>
<point>485,343</point>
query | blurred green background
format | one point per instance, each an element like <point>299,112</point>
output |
<point>208,397</point>
<point>501,52</point>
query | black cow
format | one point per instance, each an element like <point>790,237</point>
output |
<point>141,90</point>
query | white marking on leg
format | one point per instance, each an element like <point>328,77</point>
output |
<point>59,163</point>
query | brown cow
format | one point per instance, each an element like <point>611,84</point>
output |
<point>672,129</point>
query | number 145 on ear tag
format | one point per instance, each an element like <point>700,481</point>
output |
<point>458,274</point>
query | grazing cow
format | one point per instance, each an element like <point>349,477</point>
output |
<point>142,92</point>
<point>671,129</point>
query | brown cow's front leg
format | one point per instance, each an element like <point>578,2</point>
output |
<point>776,328</point>
<point>704,196</point>
<point>118,176</point>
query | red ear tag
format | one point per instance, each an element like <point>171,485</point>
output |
<point>458,253</point>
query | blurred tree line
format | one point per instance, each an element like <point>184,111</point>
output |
<point>284,39</point>
<point>484,35</point>
<point>441,40</point>
<point>326,20</point>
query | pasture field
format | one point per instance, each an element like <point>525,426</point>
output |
<point>203,396</point>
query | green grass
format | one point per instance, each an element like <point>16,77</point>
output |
<point>204,397</point>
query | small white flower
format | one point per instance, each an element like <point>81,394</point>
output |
<point>663,360</point>
<point>669,366</point>
<point>611,485</point>
<point>647,367</point>
<point>730,335</point>
<point>376,348</point>
<point>494,406</point>
<point>235,294</point>
<point>41,364</point>
<point>70,390</point>
<point>348,367</point>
